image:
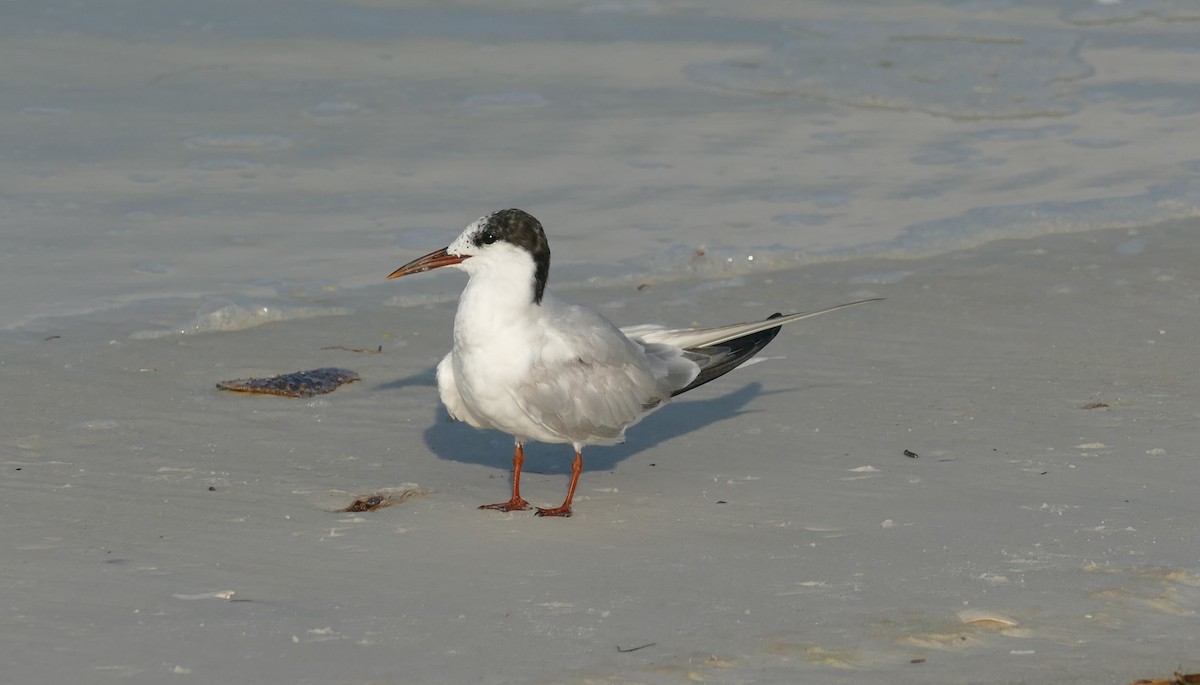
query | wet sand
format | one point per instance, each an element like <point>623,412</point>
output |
<point>769,527</point>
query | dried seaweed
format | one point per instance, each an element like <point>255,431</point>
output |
<point>298,384</point>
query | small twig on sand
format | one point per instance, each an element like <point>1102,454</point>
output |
<point>360,350</point>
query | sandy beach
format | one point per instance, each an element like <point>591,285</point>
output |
<point>986,478</point>
<point>767,528</point>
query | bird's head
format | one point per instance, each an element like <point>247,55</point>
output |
<point>507,240</point>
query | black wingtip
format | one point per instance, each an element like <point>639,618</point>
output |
<point>733,353</point>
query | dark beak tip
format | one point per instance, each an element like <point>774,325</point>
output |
<point>397,274</point>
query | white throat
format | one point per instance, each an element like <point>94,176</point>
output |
<point>498,300</point>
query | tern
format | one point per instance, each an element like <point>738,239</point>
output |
<point>538,368</point>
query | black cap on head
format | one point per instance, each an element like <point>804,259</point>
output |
<point>519,228</point>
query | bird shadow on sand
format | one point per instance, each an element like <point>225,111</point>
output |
<point>457,441</point>
<point>426,378</point>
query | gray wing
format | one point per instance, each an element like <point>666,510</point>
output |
<point>587,403</point>
<point>592,382</point>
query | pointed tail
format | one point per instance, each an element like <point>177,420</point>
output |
<point>718,360</point>
<point>724,354</point>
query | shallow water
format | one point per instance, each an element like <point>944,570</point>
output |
<point>165,155</point>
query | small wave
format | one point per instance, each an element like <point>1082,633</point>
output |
<point>45,111</point>
<point>506,99</point>
<point>334,109</point>
<point>239,141</point>
<point>223,316</point>
<point>420,300</point>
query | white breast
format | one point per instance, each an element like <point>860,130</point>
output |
<point>497,336</point>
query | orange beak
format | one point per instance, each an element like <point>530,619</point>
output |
<point>433,260</point>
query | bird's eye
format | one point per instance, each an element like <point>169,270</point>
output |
<point>487,238</point>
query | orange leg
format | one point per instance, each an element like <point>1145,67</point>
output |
<point>565,509</point>
<point>516,503</point>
